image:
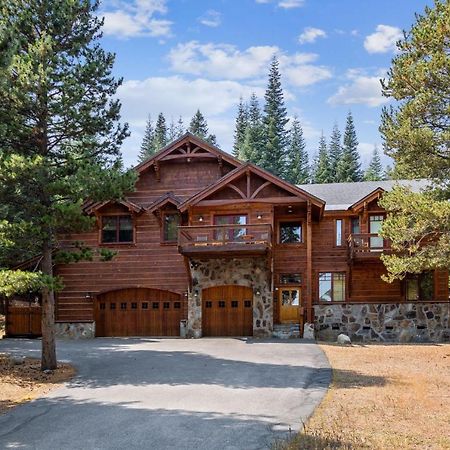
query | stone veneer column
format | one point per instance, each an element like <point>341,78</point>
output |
<point>249,272</point>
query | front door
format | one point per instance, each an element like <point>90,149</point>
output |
<point>289,301</point>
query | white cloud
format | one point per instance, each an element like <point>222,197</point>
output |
<point>311,34</point>
<point>361,89</point>
<point>136,18</point>
<point>289,4</point>
<point>383,40</point>
<point>227,61</point>
<point>175,96</point>
<point>211,18</point>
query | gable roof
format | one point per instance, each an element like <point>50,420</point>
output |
<point>343,196</point>
<point>162,201</point>
<point>95,206</point>
<point>196,141</point>
<point>238,172</point>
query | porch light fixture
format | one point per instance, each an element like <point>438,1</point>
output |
<point>259,216</point>
<point>200,218</point>
<point>290,209</point>
<point>88,295</point>
<point>257,292</point>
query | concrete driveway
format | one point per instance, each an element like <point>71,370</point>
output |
<point>171,394</point>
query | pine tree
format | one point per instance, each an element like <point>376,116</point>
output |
<point>297,169</point>
<point>322,170</point>
<point>335,152</point>
<point>160,134</point>
<point>254,133</point>
<point>180,127</point>
<point>273,156</point>
<point>59,135</point>
<point>175,130</point>
<point>199,127</point>
<point>240,128</point>
<point>147,146</point>
<point>374,171</point>
<point>349,167</point>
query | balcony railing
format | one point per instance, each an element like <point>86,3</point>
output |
<point>367,245</point>
<point>225,239</point>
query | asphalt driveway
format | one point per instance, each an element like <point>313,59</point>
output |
<point>171,394</point>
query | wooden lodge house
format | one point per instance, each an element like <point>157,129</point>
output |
<point>210,246</point>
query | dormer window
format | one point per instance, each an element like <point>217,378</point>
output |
<point>117,229</point>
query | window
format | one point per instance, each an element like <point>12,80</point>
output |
<point>290,278</point>
<point>247,303</point>
<point>221,304</point>
<point>232,233</point>
<point>112,306</point>
<point>117,229</point>
<point>290,232</point>
<point>420,287</point>
<point>144,305</point>
<point>123,305</point>
<point>332,286</point>
<point>355,227</point>
<point>177,305</point>
<point>290,297</point>
<point>166,305</point>
<point>234,303</point>
<point>338,232</point>
<point>375,223</point>
<point>155,305</point>
<point>133,305</point>
<point>208,304</point>
<point>171,222</point>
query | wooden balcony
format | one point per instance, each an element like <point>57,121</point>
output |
<point>367,246</point>
<point>225,240</point>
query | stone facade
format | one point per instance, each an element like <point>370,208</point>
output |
<point>384,322</point>
<point>249,272</point>
<point>76,330</point>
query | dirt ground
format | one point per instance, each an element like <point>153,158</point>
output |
<point>23,382</point>
<point>383,397</point>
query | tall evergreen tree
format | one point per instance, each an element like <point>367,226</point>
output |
<point>349,167</point>
<point>297,169</point>
<point>254,134</point>
<point>273,156</point>
<point>374,171</point>
<point>335,152</point>
<point>199,127</point>
<point>147,146</point>
<point>59,133</point>
<point>160,132</point>
<point>322,170</point>
<point>240,128</point>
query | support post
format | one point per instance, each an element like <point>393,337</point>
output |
<point>309,277</point>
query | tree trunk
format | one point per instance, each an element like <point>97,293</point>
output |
<point>48,360</point>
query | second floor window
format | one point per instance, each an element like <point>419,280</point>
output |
<point>117,229</point>
<point>233,232</point>
<point>338,232</point>
<point>290,232</point>
<point>171,223</point>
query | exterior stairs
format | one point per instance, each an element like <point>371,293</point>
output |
<point>286,331</point>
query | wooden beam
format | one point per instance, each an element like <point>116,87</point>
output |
<point>272,200</point>
<point>248,183</point>
<point>309,276</point>
<point>235,188</point>
<point>188,156</point>
<point>263,186</point>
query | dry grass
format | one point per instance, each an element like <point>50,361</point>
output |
<point>21,383</point>
<point>383,397</point>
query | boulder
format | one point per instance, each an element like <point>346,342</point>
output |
<point>308,331</point>
<point>17,360</point>
<point>343,339</point>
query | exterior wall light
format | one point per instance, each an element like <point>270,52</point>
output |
<point>200,218</point>
<point>88,295</point>
<point>259,216</point>
<point>257,292</point>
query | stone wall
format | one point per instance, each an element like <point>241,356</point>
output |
<point>76,330</point>
<point>250,272</point>
<point>384,322</point>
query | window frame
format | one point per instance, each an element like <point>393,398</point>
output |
<point>302,232</point>
<point>286,274</point>
<point>164,214</point>
<point>117,216</point>
<point>231,235</point>
<point>340,272</point>
<point>335,235</point>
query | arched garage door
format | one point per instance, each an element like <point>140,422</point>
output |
<point>227,311</point>
<point>138,312</point>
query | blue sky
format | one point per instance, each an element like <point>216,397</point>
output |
<point>179,55</point>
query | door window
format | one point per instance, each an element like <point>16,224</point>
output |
<point>231,233</point>
<point>290,297</point>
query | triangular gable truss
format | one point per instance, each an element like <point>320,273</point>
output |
<point>186,149</point>
<point>250,184</point>
<point>94,207</point>
<point>374,195</point>
<point>163,202</point>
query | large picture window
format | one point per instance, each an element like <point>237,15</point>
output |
<point>232,233</point>
<point>117,229</point>
<point>332,286</point>
<point>171,223</point>
<point>290,232</point>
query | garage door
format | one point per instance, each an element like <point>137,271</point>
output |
<point>227,311</point>
<point>138,312</point>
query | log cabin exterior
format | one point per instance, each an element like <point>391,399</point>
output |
<point>224,248</point>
